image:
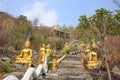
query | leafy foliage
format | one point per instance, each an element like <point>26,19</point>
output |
<point>50,60</point>
<point>6,67</point>
<point>96,24</point>
<point>66,51</point>
<point>17,30</point>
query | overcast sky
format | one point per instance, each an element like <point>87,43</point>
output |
<point>51,12</point>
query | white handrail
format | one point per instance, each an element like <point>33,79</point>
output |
<point>10,77</point>
<point>29,74</point>
<point>39,69</point>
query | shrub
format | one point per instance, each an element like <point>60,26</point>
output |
<point>66,51</point>
<point>50,60</point>
<point>6,67</point>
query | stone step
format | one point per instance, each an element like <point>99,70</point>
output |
<point>75,71</point>
<point>73,56</point>
<point>71,68</point>
<point>72,59</point>
<point>71,62</point>
<point>67,78</point>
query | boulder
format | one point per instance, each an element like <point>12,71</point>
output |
<point>5,59</point>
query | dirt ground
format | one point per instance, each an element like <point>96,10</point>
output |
<point>17,74</point>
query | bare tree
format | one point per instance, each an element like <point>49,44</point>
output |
<point>35,21</point>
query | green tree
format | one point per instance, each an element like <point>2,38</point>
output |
<point>83,27</point>
<point>95,25</point>
<point>117,3</point>
<point>83,23</point>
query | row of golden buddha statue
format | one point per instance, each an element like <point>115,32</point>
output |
<point>90,52</point>
<point>44,51</point>
<point>26,54</point>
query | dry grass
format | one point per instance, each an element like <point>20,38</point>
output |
<point>112,45</point>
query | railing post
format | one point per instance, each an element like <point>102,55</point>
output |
<point>54,63</point>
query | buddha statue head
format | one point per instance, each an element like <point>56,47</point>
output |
<point>87,50</point>
<point>82,43</point>
<point>43,45</point>
<point>27,44</point>
<point>88,46</point>
<point>66,43</point>
<point>48,46</point>
<point>66,46</point>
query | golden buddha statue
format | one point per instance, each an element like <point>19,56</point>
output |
<point>48,50</point>
<point>42,54</point>
<point>93,56</point>
<point>57,27</point>
<point>25,55</point>
<point>54,64</point>
<point>66,46</point>
<point>87,49</point>
<point>82,45</point>
<point>94,45</point>
<point>92,59</point>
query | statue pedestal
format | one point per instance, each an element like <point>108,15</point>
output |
<point>29,62</point>
<point>92,64</point>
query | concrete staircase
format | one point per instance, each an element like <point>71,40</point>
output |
<point>70,69</point>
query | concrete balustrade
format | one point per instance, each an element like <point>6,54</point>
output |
<point>31,72</point>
